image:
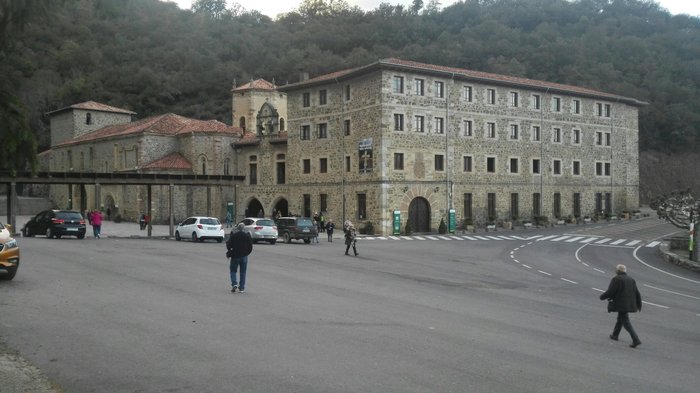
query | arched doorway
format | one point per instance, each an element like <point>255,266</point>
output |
<point>283,207</point>
<point>110,207</point>
<point>254,209</point>
<point>419,214</point>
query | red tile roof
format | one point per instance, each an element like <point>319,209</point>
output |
<point>168,124</point>
<point>94,106</point>
<point>464,74</point>
<point>173,161</point>
<point>258,84</point>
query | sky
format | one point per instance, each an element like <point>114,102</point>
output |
<point>273,7</point>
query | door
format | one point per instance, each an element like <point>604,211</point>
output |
<point>419,214</point>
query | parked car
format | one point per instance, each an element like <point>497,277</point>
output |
<point>296,228</point>
<point>200,228</point>
<point>9,254</point>
<point>55,223</point>
<point>263,229</point>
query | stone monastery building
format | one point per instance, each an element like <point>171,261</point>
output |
<point>366,143</point>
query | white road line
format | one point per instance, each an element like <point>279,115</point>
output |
<point>529,267</point>
<point>444,238</point>
<point>519,238</point>
<point>607,239</point>
<point>616,242</point>
<point>456,238</point>
<point>431,237</point>
<point>512,256</point>
<point>560,238</point>
<point>493,238</point>
<point>574,239</point>
<point>394,238</point>
<point>633,242</point>
<point>573,282</point>
<point>506,238</point>
<point>418,238</point>
<point>653,244</point>
<point>546,237</point>
<point>381,238</point>
<point>675,293</point>
<point>654,304</point>
<point>548,274</point>
<point>530,243</point>
<point>598,270</point>
<point>516,261</point>
<point>590,239</point>
<point>596,289</point>
<point>468,237</point>
<point>481,238</point>
<point>516,249</point>
<point>534,237</point>
<point>659,270</point>
<point>585,264</point>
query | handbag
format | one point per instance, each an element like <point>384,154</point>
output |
<point>611,306</point>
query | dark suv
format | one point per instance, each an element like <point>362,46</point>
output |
<point>55,223</point>
<point>296,228</point>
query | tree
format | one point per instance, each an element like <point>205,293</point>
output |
<point>213,8</point>
<point>683,211</point>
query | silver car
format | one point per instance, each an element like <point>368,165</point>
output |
<point>263,229</point>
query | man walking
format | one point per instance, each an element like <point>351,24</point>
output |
<point>625,298</point>
<point>239,246</point>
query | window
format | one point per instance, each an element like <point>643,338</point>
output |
<point>557,205</point>
<point>346,126</point>
<point>607,139</point>
<point>322,97</point>
<point>361,206</point>
<point>439,162</point>
<point>241,122</point>
<point>599,109</point>
<point>419,123</point>
<point>398,84</point>
<point>576,168</point>
<point>556,104</point>
<point>88,118</point>
<point>576,107</point>
<point>536,205</point>
<point>347,92</point>
<point>536,101</point>
<point>282,124</point>
<point>398,122</point>
<point>467,163</point>
<point>307,205</point>
<point>323,198</point>
<point>467,93</point>
<point>598,202</point>
<point>556,135</point>
<point>491,164</point>
<point>398,161</point>
<point>491,96</point>
<point>491,206</point>
<point>439,89</point>
<point>419,87</point>
<point>347,164</point>
<point>607,169</point>
<point>514,99</point>
<point>598,138</point>
<point>577,204</point>
<point>281,172</point>
<point>491,130</point>
<point>576,137</point>
<point>513,131</point>
<point>323,131</point>
<point>323,165</point>
<point>468,128</point>
<point>535,166</point>
<point>536,133</point>
<point>599,169</point>
<point>306,98</point>
<point>513,165</point>
<point>253,170</point>
<point>468,204</point>
<point>514,206</point>
<point>608,203</point>
<point>306,165</point>
<point>556,167</point>
<point>227,166</point>
<point>607,110</point>
<point>439,125</point>
<point>305,132</point>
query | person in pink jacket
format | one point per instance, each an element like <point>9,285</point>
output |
<point>96,220</point>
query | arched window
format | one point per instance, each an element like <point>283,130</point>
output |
<point>281,124</point>
<point>204,165</point>
<point>227,166</point>
<point>241,123</point>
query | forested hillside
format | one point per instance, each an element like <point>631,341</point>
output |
<point>151,57</point>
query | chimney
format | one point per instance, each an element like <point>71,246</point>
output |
<point>303,77</point>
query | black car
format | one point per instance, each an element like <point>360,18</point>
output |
<point>55,223</point>
<point>293,228</point>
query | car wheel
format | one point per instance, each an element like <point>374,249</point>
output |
<point>307,241</point>
<point>220,239</point>
<point>194,236</point>
<point>25,232</point>
<point>81,236</point>
<point>10,275</point>
<point>49,233</point>
<point>177,236</point>
<point>287,239</point>
<point>273,241</point>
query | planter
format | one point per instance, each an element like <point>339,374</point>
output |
<point>470,228</point>
<point>561,222</point>
<point>491,228</point>
<point>527,225</point>
<point>507,225</point>
<point>587,220</point>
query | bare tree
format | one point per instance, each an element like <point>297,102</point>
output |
<point>683,211</point>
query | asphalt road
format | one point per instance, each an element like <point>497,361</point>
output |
<point>498,315</point>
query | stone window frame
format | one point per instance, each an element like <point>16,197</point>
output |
<point>536,135</point>
<point>399,122</point>
<point>602,109</point>
<point>305,132</point>
<point>322,97</point>
<point>510,165</point>
<point>495,164</point>
<point>557,135</point>
<point>419,87</point>
<point>347,124</point>
<point>539,165</point>
<point>491,96</point>
<point>306,166</point>
<point>416,124</point>
<point>323,165</point>
<point>576,136</point>
<point>536,102</point>
<point>252,169</point>
<point>348,163</point>
<point>576,106</point>
<point>306,99</point>
<point>557,167</point>
<point>603,169</point>
<point>468,93</point>
<point>468,132</point>
<point>468,163</point>
<point>438,125</point>
<point>574,166</point>
<point>514,100</point>
<point>491,127</point>
<point>397,84</point>
<point>322,129</point>
<point>556,104</point>
<point>399,160</point>
<point>347,93</point>
<point>511,127</point>
<point>439,162</point>
<point>439,89</point>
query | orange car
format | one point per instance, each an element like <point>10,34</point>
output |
<point>9,254</point>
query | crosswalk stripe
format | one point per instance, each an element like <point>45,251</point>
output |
<point>653,244</point>
<point>444,238</point>
<point>616,242</point>
<point>481,238</point>
<point>603,241</point>
<point>394,238</point>
<point>418,238</point>
<point>560,238</point>
<point>633,242</point>
<point>468,237</point>
<point>590,239</point>
<point>456,238</point>
<point>547,237</point>
<point>431,237</point>
<point>574,239</point>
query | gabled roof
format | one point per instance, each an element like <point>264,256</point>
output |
<point>459,74</point>
<point>258,84</point>
<point>168,124</point>
<point>94,106</point>
<point>173,161</point>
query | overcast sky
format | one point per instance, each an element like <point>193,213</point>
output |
<point>273,7</point>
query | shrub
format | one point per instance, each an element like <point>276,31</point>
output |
<point>369,228</point>
<point>442,229</point>
<point>541,220</point>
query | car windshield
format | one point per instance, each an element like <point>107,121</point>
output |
<point>304,222</point>
<point>265,223</point>
<point>69,215</point>
<point>209,221</point>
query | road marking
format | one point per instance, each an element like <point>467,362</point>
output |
<point>507,238</point>
<point>598,270</point>
<point>529,267</point>
<point>534,237</point>
<point>633,242</point>
<point>560,238</point>
<point>653,244</point>
<point>607,239</point>
<point>432,237</point>
<point>585,264</point>
<point>574,239</point>
<point>596,289</point>
<point>394,238</point>
<point>481,238</point>
<point>444,238</point>
<point>493,238</point>
<point>418,238</point>
<point>654,304</point>
<point>516,261</point>
<point>456,238</point>
<point>547,237</point>
<point>675,293</point>
<point>590,239</point>
<point>381,238</point>
<point>573,282</point>
<point>468,238</point>
<point>516,249</point>
<point>616,242</point>
<point>543,272</point>
<point>659,270</point>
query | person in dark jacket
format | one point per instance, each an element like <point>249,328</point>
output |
<point>239,245</point>
<point>350,238</point>
<point>625,298</point>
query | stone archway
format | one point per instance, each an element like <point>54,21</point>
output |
<point>254,209</point>
<point>283,207</point>
<point>110,208</point>
<point>419,214</point>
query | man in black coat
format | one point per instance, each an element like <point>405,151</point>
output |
<point>239,246</point>
<point>625,298</point>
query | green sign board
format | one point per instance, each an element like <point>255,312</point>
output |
<point>452,221</point>
<point>397,222</point>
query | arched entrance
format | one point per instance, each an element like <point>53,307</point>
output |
<point>110,207</point>
<point>419,214</point>
<point>283,207</point>
<point>254,209</point>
